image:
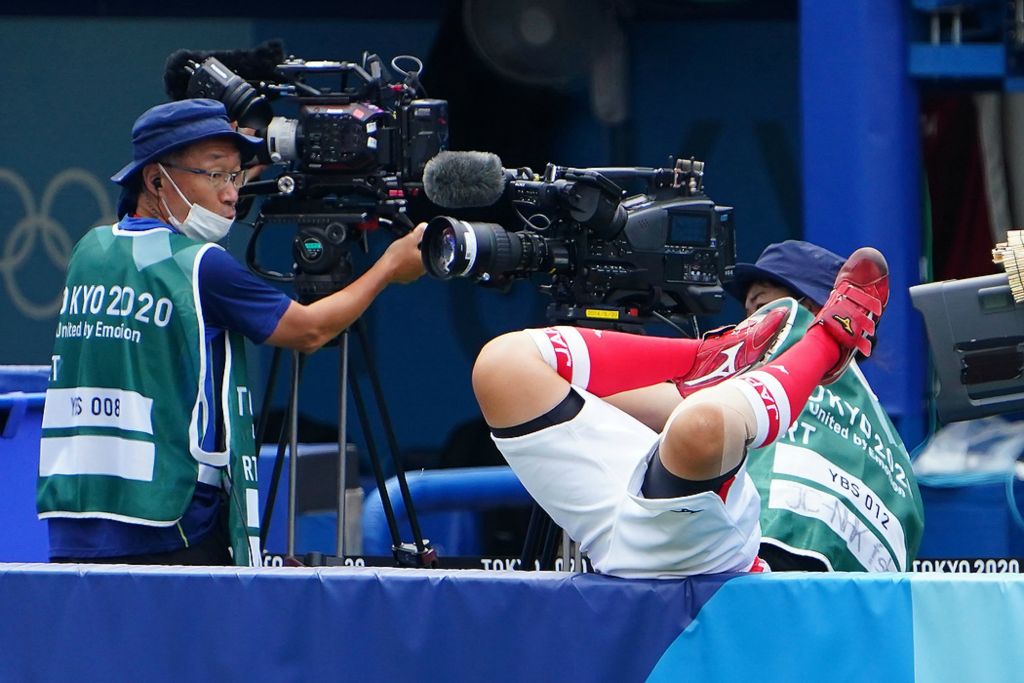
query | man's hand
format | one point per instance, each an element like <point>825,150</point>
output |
<point>308,327</point>
<point>403,259</point>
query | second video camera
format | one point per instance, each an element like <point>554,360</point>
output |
<point>613,260</point>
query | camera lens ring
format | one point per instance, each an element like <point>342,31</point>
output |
<point>458,248</point>
<point>449,247</point>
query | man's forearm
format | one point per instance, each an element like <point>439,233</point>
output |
<point>308,327</point>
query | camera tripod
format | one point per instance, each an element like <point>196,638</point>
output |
<point>541,544</point>
<point>326,247</point>
<point>416,554</point>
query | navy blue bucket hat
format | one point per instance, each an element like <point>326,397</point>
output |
<point>167,127</point>
<point>804,268</point>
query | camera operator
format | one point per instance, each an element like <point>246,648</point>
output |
<point>636,446</point>
<point>793,535</point>
<point>147,453</point>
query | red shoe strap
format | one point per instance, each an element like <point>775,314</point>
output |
<point>860,297</point>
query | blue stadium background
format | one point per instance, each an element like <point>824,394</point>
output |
<point>708,84</point>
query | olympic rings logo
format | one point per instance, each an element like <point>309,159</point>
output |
<point>39,224</point>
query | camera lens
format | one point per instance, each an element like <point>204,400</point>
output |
<point>457,248</point>
<point>450,247</point>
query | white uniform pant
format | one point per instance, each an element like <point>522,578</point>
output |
<point>587,473</point>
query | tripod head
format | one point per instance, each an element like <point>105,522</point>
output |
<point>321,249</point>
<point>323,258</point>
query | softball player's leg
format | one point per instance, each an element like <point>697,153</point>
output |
<point>707,435</point>
<point>574,452</point>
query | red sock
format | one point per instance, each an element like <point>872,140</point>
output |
<point>605,363</point>
<point>780,389</point>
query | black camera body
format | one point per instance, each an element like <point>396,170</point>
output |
<point>613,261</point>
<point>351,118</point>
<point>332,138</point>
<point>349,159</point>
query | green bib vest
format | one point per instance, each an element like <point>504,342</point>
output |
<point>126,409</point>
<point>839,486</point>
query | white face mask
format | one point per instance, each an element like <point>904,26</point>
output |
<point>200,224</point>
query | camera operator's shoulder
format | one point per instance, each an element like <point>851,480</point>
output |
<point>218,265</point>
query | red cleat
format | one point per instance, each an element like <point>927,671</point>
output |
<point>728,351</point>
<point>856,303</point>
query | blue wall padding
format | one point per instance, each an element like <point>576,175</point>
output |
<point>300,624</point>
<point>827,616</point>
<point>101,623</point>
<point>967,630</point>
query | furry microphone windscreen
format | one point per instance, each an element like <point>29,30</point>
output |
<point>458,180</point>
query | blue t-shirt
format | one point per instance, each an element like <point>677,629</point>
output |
<point>231,298</point>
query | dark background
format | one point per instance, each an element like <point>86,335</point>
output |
<point>713,80</point>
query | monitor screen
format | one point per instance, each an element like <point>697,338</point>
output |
<point>689,229</point>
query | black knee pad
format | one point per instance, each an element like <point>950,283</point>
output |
<point>660,483</point>
<point>567,409</point>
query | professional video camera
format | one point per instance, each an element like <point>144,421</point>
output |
<point>351,157</point>
<point>613,261</point>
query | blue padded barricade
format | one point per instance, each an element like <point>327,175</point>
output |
<point>22,390</point>
<point>458,492</point>
<point>109,623</point>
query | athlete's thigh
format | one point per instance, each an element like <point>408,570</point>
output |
<point>650,405</point>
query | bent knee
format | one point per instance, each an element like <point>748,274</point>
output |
<point>496,364</point>
<point>694,442</point>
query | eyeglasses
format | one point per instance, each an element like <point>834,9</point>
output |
<point>218,179</point>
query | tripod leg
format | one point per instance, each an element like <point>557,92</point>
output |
<point>342,442</point>
<point>535,531</point>
<point>293,459</point>
<point>547,557</point>
<point>389,433</point>
<point>567,548</point>
<point>378,471</point>
<point>275,477</point>
<point>268,390</point>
